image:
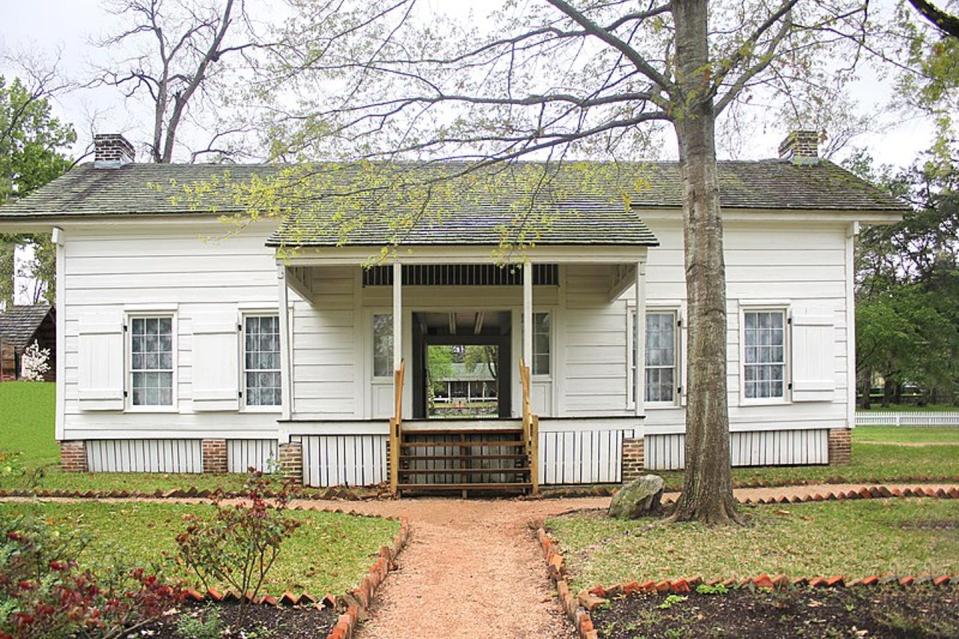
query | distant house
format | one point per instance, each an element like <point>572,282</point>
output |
<point>181,355</point>
<point>19,328</point>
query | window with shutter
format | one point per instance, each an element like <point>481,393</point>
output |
<point>813,356</point>
<point>100,362</point>
<point>215,361</point>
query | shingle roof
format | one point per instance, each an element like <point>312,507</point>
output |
<point>20,323</point>
<point>158,189</point>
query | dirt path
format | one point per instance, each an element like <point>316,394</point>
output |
<point>474,570</point>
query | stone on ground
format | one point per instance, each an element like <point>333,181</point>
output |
<point>639,498</point>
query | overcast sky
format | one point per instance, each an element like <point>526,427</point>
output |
<point>46,27</point>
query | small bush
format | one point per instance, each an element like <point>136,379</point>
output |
<point>44,594</point>
<point>203,626</point>
<point>240,543</point>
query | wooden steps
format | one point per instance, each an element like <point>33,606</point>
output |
<point>464,459</point>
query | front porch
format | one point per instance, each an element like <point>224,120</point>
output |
<point>542,324</point>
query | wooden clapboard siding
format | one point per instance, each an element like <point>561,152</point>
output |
<point>801,266</point>
<point>353,460</point>
<point>751,448</point>
<point>259,454</point>
<point>145,455</point>
<point>114,268</point>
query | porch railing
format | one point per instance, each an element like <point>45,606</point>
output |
<point>396,423</point>
<point>530,429</point>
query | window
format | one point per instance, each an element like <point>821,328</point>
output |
<point>660,357</point>
<point>383,345</point>
<point>764,354</point>
<point>151,361</point>
<point>261,360</point>
<point>662,346</point>
<point>541,340</point>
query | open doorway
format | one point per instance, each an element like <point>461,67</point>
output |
<point>461,364</point>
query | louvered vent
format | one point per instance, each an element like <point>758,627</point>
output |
<point>461,275</point>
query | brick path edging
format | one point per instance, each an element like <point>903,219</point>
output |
<point>358,600</point>
<point>556,565</point>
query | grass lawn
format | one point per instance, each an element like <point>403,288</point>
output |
<point>28,410</point>
<point>875,455</point>
<point>330,552</point>
<point>855,538</point>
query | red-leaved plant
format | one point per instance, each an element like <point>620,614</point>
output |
<point>239,544</point>
<point>44,594</point>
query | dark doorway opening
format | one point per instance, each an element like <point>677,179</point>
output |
<point>461,364</point>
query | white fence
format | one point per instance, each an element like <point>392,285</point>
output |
<point>906,418</point>
<point>258,454</point>
<point>582,457</point>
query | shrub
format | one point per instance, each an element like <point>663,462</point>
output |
<point>45,594</point>
<point>208,626</point>
<point>240,543</point>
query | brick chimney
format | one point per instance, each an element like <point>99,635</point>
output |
<point>802,147</point>
<point>111,151</point>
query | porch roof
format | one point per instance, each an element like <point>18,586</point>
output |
<point>488,224</point>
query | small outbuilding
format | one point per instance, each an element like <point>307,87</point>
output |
<point>19,328</point>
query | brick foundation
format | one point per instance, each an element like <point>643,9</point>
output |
<point>840,446</point>
<point>634,459</point>
<point>214,456</point>
<point>291,460</point>
<point>73,456</point>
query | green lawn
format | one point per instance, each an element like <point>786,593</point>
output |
<point>854,538</point>
<point>330,552</point>
<point>906,434</point>
<point>28,410</point>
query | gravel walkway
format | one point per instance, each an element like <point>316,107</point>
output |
<point>473,568</point>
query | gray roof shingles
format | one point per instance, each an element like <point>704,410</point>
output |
<point>138,189</point>
<point>19,324</point>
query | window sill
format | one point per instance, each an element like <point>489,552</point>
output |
<point>655,406</point>
<point>261,409</point>
<point>773,401</point>
<point>151,409</point>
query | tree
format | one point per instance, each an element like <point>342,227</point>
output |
<point>182,70</point>
<point>556,81</point>
<point>907,276</point>
<point>945,21</point>
<point>33,145</point>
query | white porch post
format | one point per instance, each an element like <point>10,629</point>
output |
<point>528,314</point>
<point>639,379</point>
<point>283,310</point>
<point>397,315</point>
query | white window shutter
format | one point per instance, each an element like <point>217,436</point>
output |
<point>215,361</point>
<point>813,356</point>
<point>100,362</point>
<point>681,376</point>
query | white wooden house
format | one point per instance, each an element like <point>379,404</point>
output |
<point>182,349</point>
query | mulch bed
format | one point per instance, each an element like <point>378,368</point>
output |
<point>299,622</point>
<point>884,612</point>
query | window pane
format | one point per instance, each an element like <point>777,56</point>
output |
<point>764,365</point>
<point>660,356</point>
<point>261,360</point>
<point>151,351</point>
<point>383,345</point>
<point>541,344</point>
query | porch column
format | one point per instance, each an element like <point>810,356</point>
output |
<point>639,379</point>
<point>283,316</point>
<point>397,315</point>
<point>528,314</point>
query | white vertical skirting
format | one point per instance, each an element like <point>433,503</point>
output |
<point>582,456</point>
<point>144,455</point>
<point>343,460</point>
<point>748,448</point>
<point>258,454</point>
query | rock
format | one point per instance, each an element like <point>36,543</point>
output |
<point>638,498</point>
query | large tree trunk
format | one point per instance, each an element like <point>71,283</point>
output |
<point>707,489</point>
